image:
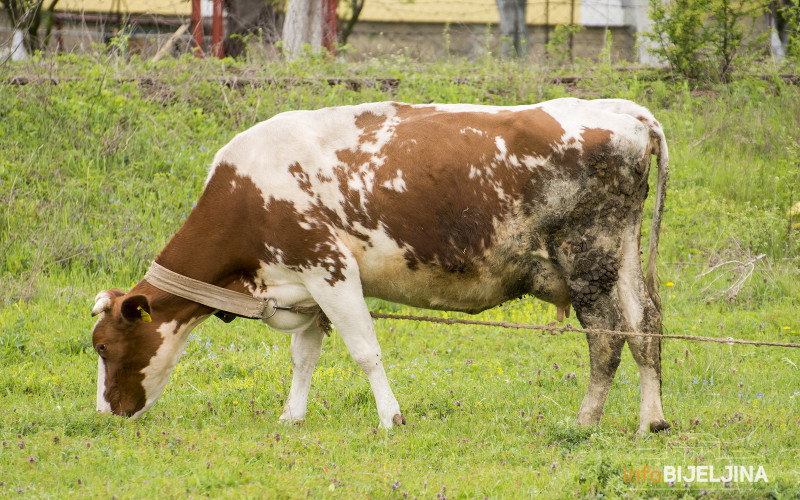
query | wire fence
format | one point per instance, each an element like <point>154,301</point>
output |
<point>557,330</point>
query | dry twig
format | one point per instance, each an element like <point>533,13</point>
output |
<point>742,270</point>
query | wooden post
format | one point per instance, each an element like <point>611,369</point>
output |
<point>197,28</point>
<point>170,43</point>
<point>217,31</point>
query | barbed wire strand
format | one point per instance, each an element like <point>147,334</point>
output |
<point>557,330</point>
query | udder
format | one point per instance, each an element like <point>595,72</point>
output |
<point>548,284</point>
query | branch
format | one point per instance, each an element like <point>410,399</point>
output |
<point>357,5</point>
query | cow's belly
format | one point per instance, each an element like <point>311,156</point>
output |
<point>434,289</point>
<point>481,286</point>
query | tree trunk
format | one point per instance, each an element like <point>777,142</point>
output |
<point>251,18</point>
<point>779,29</point>
<point>17,50</point>
<point>303,26</point>
<point>513,28</point>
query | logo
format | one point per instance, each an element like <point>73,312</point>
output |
<point>696,474</point>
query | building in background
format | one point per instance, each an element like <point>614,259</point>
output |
<point>394,25</point>
<point>424,29</point>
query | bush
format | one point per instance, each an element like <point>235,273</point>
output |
<point>702,38</point>
<point>791,13</point>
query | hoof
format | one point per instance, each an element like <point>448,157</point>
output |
<point>399,419</point>
<point>659,425</point>
<point>297,422</point>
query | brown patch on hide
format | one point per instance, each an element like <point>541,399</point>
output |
<point>302,177</point>
<point>223,237</point>
<point>593,139</point>
<point>370,123</point>
<point>229,234</point>
<point>458,181</point>
<point>301,242</point>
<point>245,229</point>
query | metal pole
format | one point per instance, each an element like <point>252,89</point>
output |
<point>217,29</point>
<point>197,28</point>
<point>329,24</point>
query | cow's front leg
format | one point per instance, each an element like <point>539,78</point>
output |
<point>363,345</point>
<point>306,349</point>
<point>344,304</point>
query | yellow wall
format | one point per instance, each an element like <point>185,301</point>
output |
<point>182,8</point>
<point>419,11</point>
<point>464,11</point>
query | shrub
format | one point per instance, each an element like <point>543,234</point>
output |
<point>702,38</point>
<point>791,13</point>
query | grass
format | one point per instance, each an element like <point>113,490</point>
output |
<point>98,172</point>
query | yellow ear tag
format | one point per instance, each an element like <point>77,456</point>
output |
<point>145,317</point>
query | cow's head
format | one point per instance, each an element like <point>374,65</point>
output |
<point>137,348</point>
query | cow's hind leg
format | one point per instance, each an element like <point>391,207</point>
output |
<point>343,303</point>
<point>608,291</point>
<point>306,349</point>
<point>647,353</point>
<point>642,315</point>
<point>604,357</point>
<point>591,281</point>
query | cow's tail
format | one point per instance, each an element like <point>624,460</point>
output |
<point>660,150</point>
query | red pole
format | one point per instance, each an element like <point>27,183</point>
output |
<point>329,24</point>
<point>217,30</point>
<point>197,28</point>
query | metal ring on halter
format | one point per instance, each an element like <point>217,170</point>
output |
<point>274,304</point>
<point>275,308</point>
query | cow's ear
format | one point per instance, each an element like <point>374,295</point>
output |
<point>104,300</point>
<point>136,308</point>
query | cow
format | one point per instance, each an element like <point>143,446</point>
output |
<point>442,206</point>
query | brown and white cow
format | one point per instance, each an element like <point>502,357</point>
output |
<point>456,207</point>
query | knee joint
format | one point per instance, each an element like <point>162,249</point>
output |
<point>368,361</point>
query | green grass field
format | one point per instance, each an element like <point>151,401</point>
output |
<point>97,172</point>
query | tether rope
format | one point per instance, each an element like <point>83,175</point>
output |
<point>238,304</point>
<point>556,330</point>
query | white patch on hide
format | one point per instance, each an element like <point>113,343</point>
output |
<point>156,374</point>
<point>501,147</point>
<point>103,406</point>
<point>473,130</point>
<point>396,184</point>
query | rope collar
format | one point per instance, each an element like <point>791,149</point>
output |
<point>228,303</point>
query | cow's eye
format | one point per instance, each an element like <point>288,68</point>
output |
<point>100,348</point>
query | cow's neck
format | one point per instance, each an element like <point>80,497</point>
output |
<point>215,244</point>
<point>208,259</point>
<point>205,257</point>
